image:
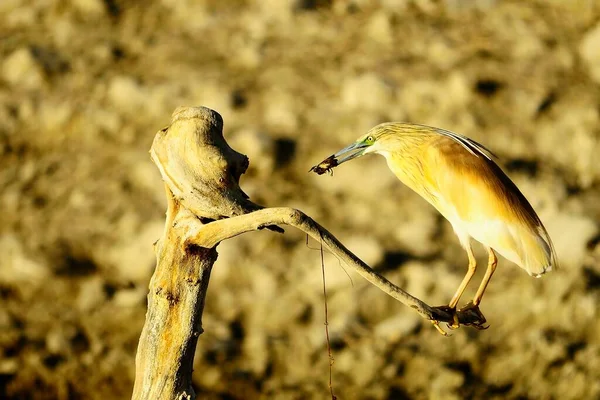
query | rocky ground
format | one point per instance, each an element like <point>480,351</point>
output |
<point>85,85</point>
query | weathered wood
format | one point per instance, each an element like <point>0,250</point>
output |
<point>164,361</point>
<point>206,206</point>
<point>198,165</point>
<point>201,174</point>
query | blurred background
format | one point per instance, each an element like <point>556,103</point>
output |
<point>85,85</point>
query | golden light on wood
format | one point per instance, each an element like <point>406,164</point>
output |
<point>459,177</point>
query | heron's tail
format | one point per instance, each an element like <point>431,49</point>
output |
<point>536,252</point>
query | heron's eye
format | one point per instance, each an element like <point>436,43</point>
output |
<point>370,140</point>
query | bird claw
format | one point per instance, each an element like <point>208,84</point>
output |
<point>436,325</point>
<point>448,310</point>
<point>471,315</point>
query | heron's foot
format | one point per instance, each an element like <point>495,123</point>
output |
<point>471,315</point>
<point>448,310</point>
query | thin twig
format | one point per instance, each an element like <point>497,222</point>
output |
<point>338,260</point>
<point>331,360</point>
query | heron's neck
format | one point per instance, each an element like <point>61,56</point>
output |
<point>408,169</point>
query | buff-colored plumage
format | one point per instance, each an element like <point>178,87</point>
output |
<point>460,179</point>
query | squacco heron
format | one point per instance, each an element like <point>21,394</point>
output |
<point>459,178</point>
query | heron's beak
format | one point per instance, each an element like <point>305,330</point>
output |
<point>356,149</point>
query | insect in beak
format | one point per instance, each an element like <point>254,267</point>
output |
<point>346,154</point>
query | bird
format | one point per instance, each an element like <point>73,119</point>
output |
<point>459,177</point>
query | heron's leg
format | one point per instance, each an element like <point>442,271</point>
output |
<point>492,263</point>
<point>466,279</point>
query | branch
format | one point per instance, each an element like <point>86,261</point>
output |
<point>211,234</point>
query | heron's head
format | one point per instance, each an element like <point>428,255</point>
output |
<point>378,139</point>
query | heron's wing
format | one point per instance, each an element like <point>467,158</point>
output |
<point>486,203</point>
<point>472,146</point>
